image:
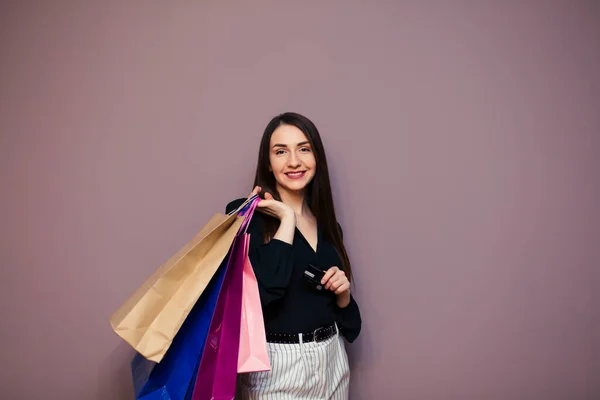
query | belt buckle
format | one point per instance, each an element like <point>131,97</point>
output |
<point>315,337</point>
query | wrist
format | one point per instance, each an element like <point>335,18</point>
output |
<point>287,227</point>
<point>343,299</point>
<point>288,218</point>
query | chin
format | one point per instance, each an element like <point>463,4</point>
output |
<point>294,187</point>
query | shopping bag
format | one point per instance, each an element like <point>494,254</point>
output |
<point>152,316</point>
<point>188,395</point>
<point>253,353</point>
<point>217,372</point>
<point>172,378</point>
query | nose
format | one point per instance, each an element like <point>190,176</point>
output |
<point>294,160</point>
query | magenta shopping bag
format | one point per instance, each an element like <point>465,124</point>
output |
<point>217,372</point>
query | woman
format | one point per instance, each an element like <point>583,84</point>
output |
<point>295,231</point>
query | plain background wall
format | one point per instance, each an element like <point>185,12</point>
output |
<point>463,138</point>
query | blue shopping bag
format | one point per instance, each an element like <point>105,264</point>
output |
<point>188,395</point>
<point>171,378</point>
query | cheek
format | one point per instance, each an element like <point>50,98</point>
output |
<point>276,164</point>
<point>310,161</point>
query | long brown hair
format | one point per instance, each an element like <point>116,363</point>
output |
<point>318,192</point>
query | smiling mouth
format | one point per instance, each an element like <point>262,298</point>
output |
<point>295,174</point>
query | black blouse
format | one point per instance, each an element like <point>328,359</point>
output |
<point>288,305</point>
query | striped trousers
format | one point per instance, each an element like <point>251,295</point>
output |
<point>303,371</point>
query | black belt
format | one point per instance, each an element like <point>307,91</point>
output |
<point>318,335</point>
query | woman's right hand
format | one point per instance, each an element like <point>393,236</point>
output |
<point>272,207</point>
<point>281,211</point>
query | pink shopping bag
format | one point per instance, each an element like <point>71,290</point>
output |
<point>253,355</point>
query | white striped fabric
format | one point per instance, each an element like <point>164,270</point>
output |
<point>304,371</point>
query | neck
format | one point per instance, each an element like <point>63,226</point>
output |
<point>296,200</point>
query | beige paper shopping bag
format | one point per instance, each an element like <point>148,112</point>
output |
<point>154,313</point>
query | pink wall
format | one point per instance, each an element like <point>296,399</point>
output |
<point>463,138</point>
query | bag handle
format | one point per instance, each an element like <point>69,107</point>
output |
<point>248,212</point>
<point>243,209</point>
<point>243,206</point>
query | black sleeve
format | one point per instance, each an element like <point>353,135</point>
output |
<point>272,262</point>
<point>348,318</point>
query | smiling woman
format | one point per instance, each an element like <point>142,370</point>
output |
<point>293,164</point>
<point>295,238</point>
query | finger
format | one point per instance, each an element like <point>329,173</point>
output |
<point>332,280</point>
<point>268,196</point>
<point>330,272</point>
<point>339,274</point>
<point>339,288</point>
<point>256,190</point>
<point>336,284</point>
<point>343,288</point>
<point>264,203</point>
<point>337,280</point>
<point>265,206</point>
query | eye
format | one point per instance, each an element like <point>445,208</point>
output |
<point>279,152</point>
<point>305,149</point>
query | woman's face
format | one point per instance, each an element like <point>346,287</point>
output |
<point>291,157</point>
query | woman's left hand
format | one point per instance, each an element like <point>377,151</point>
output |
<point>335,280</point>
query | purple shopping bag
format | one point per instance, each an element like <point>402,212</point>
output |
<point>217,372</point>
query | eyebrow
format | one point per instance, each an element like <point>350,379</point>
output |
<point>285,145</point>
